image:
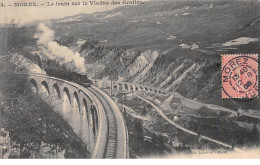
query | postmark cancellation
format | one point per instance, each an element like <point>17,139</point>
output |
<point>239,76</point>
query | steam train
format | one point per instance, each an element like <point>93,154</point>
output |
<point>70,76</point>
<point>54,69</point>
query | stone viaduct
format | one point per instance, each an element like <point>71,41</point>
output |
<point>85,113</point>
<point>124,87</point>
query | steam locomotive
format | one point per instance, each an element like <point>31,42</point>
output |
<point>70,76</point>
<point>54,69</point>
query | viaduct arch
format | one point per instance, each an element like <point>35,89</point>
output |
<point>82,110</point>
<point>124,87</point>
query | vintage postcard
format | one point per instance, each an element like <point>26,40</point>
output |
<point>129,79</point>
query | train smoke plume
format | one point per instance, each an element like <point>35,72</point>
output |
<point>46,38</point>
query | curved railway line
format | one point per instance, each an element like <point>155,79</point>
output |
<point>110,150</point>
<point>114,132</point>
<point>112,137</point>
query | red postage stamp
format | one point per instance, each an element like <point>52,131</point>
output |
<point>239,76</point>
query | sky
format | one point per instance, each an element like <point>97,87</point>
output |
<point>29,14</point>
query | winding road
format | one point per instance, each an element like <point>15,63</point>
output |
<point>182,128</point>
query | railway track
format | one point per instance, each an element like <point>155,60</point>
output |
<point>111,146</point>
<point>112,139</point>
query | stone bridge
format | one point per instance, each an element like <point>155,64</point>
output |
<point>125,87</point>
<point>91,113</point>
